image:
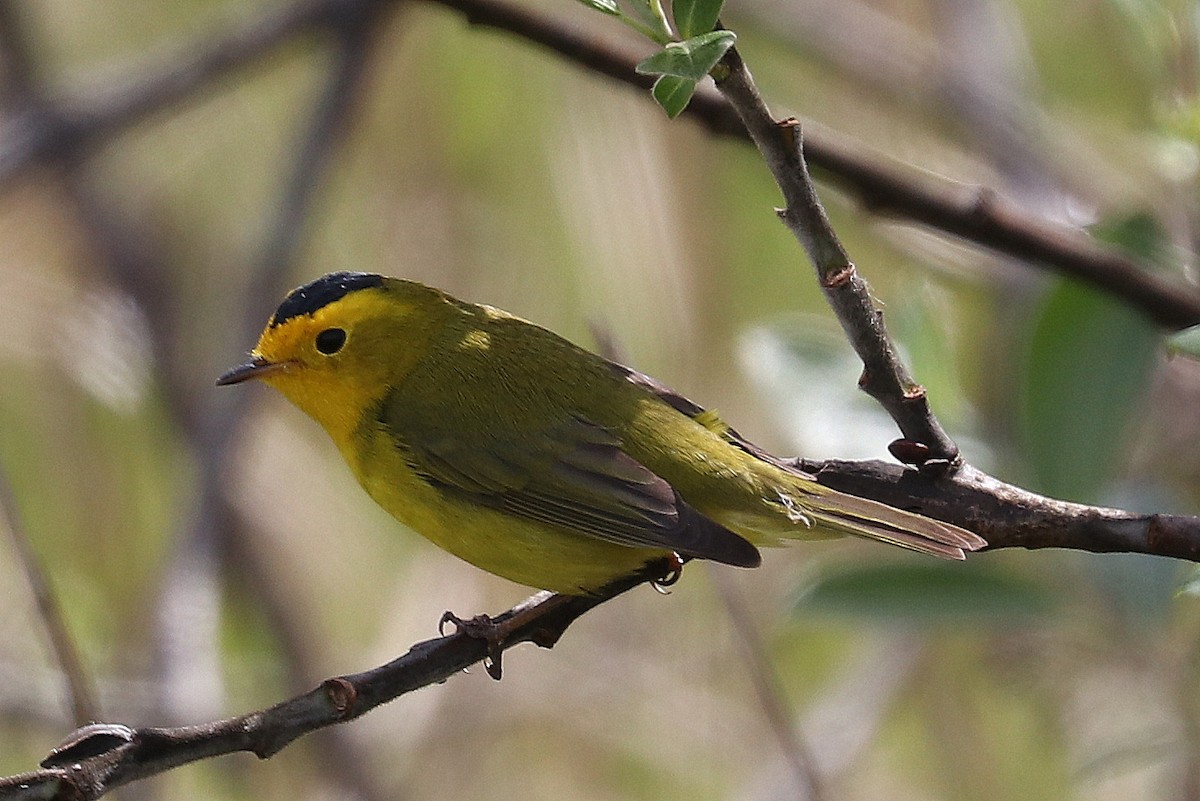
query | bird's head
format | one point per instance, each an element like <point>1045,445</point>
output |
<point>336,345</point>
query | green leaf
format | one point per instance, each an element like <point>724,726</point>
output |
<point>694,17</point>
<point>927,593</point>
<point>692,58</point>
<point>653,20</point>
<point>604,6</point>
<point>1186,342</point>
<point>1087,367</point>
<point>673,93</point>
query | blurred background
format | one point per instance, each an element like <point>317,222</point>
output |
<point>169,168</point>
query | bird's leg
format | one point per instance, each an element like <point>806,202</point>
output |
<point>496,631</point>
<point>674,572</point>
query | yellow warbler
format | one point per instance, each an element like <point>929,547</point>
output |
<point>535,459</point>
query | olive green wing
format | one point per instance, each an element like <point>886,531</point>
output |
<point>572,474</point>
<point>839,511</point>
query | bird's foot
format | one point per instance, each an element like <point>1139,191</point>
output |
<point>498,632</point>
<point>672,574</point>
<point>480,627</point>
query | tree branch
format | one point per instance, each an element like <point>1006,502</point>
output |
<point>885,186</point>
<point>1008,516</point>
<point>101,757</point>
<point>69,127</point>
<point>882,185</point>
<point>79,687</point>
<point>98,758</point>
<point>772,698</point>
<point>884,376</point>
<point>135,262</point>
<point>1004,515</point>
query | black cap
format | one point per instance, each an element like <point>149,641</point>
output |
<point>320,293</point>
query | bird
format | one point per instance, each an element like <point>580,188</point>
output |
<point>533,458</point>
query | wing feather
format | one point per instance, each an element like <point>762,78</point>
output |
<point>574,476</point>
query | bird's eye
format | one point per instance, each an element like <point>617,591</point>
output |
<point>330,341</point>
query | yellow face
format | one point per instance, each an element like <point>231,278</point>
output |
<point>337,361</point>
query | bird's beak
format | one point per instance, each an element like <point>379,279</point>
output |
<point>258,367</point>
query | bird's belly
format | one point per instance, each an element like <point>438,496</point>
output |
<point>527,552</point>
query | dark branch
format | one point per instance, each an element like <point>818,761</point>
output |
<point>1011,517</point>
<point>70,127</point>
<point>18,90</point>
<point>885,186</point>
<point>884,376</point>
<point>878,183</point>
<point>98,758</point>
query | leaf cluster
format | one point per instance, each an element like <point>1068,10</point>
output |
<point>693,44</point>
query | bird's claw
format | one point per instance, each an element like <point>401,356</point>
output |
<point>674,572</point>
<point>480,627</point>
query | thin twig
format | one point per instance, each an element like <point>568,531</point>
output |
<point>882,185</point>
<point>19,95</point>
<point>136,263</point>
<point>100,113</point>
<point>211,433</point>
<point>770,694</point>
<point>95,759</point>
<point>884,376</point>
<point>79,687</point>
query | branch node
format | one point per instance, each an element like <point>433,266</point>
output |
<point>545,637</point>
<point>792,133</point>
<point>341,693</point>
<point>839,277</point>
<point>919,455</point>
<point>939,467</point>
<point>87,742</point>
<point>908,451</point>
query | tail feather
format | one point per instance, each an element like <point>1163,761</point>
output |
<point>864,518</point>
